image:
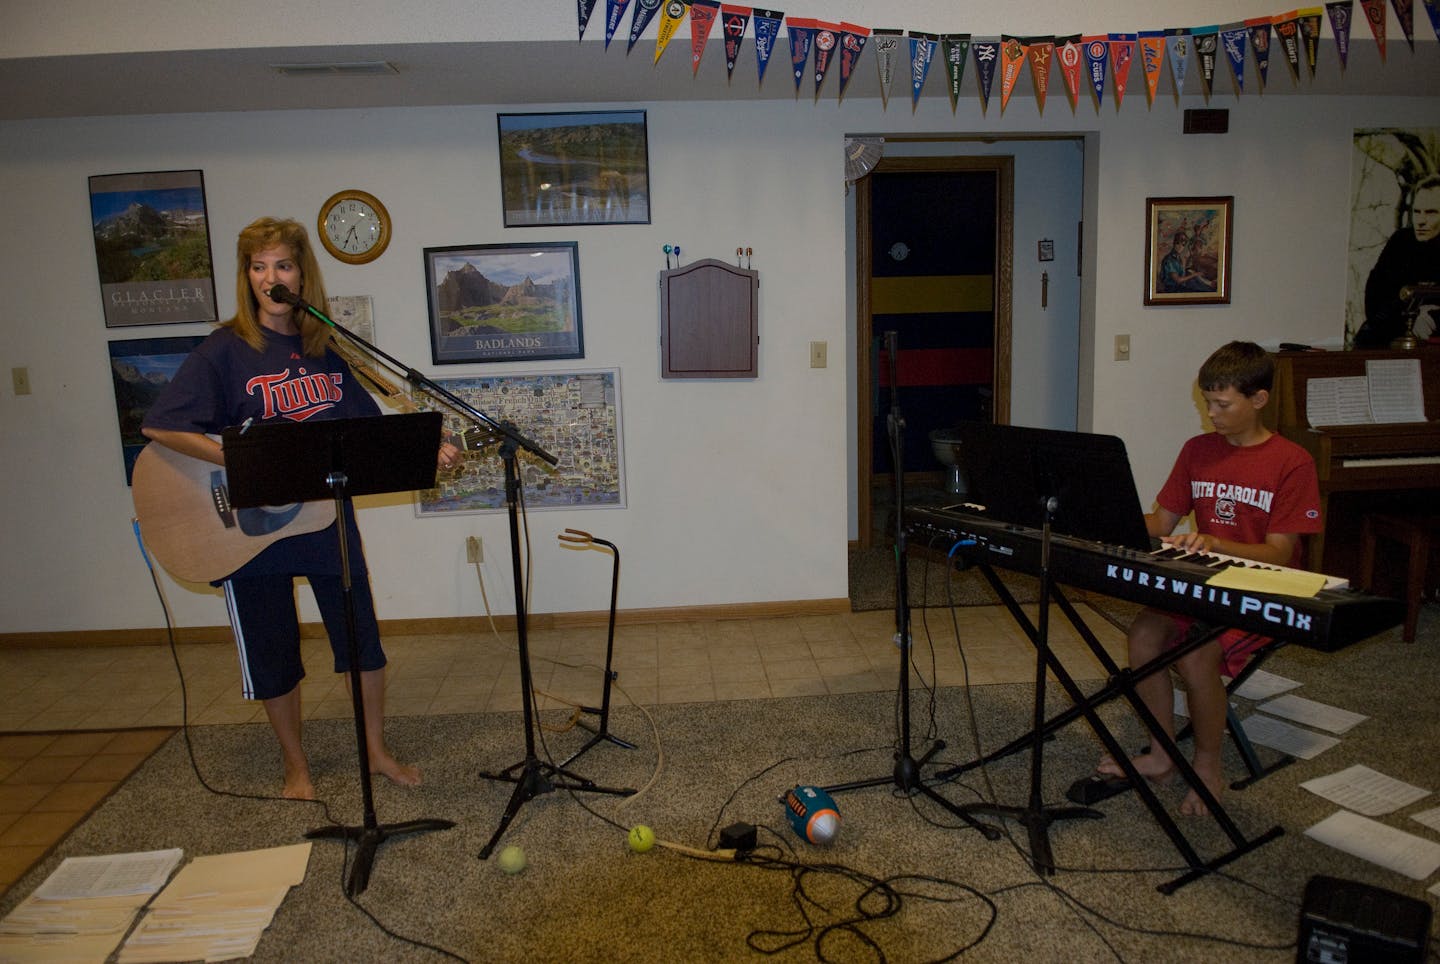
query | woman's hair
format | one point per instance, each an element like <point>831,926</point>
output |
<point>1242,365</point>
<point>260,236</point>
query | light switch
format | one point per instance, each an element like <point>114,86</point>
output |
<point>1122,347</point>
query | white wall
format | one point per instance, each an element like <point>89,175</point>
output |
<point>736,489</point>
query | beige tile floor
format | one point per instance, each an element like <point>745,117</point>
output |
<point>61,708</point>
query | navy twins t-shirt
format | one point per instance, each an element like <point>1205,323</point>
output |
<point>224,381</point>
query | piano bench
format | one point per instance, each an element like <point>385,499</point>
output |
<point>1419,534</point>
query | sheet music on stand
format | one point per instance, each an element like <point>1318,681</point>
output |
<point>1390,392</point>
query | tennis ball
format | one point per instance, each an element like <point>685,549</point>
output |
<point>512,859</point>
<point>642,838</point>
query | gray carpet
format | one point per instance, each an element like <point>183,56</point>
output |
<point>584,897</point>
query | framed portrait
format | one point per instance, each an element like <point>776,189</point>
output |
<point>152,247</point>
<point>1187,250</point>
<point>573,415</point>
<point>140,369</point>
<point>504,302</point>
<point>588,167</point>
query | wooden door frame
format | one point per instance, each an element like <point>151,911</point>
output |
<point>1004,166</point>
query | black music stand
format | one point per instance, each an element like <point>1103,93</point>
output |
<point>273,463</point>
<point>1080,486</point>
<point>906,775</point>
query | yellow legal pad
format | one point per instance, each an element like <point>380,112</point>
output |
<point>1280,582</point>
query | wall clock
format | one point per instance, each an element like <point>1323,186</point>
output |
<point>354,226</point>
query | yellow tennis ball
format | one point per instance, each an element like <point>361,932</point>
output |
<point>512,859</point>
<point>642,838</point>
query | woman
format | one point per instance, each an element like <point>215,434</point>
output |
<point>275,361</point>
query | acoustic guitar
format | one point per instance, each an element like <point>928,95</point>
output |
<point>188,523</point>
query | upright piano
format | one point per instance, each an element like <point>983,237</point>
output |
<point>1361,467</point>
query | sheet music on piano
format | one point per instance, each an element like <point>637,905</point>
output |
<point>1390,392</point>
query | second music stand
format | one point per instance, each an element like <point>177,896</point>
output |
<point>274,463</point>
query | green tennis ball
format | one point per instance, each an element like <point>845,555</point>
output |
<point>512,859</point>
<point>642,838</point>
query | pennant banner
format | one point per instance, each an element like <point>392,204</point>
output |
<point>1097,64</point>
<point>1207,52</point>
<point>733,21</point>
<point>1151,44</point>
<point>922,51</point>
<point>1405,13</point>
<point>640,16</point>
<point>987,59</point>
<point>852,45</point>
<point>1432,8</point>
<point>887,53</point>
<point>801,31</point>
<point>1232,41</point>
<point>1287,28</point>
<point>615,9</point>
<point>767,29</point>
<point>703,14</point>
<point>1012,56</point>
<point>1260,43</point>
<point>1178,44</point>
<point>955,50</point>
<point>1067,51</point>
<point>1040,51</point>
<point>827,40</point>
<point>1339,12</point>
<point>1122,55</point>
<point>670,21</point>
<point>1375,16</point>
<point>583,9</point>
<point>1310,34</point>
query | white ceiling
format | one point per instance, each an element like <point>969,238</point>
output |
<point>558,72</point>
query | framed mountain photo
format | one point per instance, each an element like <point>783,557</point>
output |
<point>504,302</point>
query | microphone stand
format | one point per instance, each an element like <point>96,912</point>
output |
<point>531,776</point>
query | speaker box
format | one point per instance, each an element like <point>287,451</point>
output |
<point>1345,922</point>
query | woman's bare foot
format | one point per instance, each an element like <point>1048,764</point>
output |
<point>1209,772</point>
<point>401,774</point>
<point>1155,767</point>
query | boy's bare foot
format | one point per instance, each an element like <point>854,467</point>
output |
<point>298,785</point>
<point>1155,767</point>
<point>402,774</point>
<point>1209,772</point>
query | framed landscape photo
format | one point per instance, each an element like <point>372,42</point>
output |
<point>1187,250</point>
<point>152,247</point>
<point>588,167</point>
<point>504,302</point>
<point>140,368</point>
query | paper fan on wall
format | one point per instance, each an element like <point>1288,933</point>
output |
<point>861,155</point>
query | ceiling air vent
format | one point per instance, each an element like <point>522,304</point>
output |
<point>352,69</point>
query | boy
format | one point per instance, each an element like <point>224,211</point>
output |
<point>1254,494</point>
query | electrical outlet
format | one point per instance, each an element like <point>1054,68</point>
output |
<point>818,351</point>
<point>473,550</point>
<point>20,379</point>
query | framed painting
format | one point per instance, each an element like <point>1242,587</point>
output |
<point>574,415</point>
<point>140,369</point>
<point>152,247</point>
<point>589,167</point>
<point>1187,250</point>
<point>504,302</point>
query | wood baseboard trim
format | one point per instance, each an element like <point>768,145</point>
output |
<point>456,624</point>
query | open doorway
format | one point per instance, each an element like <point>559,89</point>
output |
<point>934,237</point>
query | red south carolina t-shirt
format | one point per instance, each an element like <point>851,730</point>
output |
<point>1243,492</point>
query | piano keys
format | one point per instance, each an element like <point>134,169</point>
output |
<point>1329,620</point>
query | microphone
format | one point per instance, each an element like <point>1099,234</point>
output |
<point>285,295</point>
<point>1420,291</point>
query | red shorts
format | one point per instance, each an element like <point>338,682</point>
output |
<point>1236,645</point>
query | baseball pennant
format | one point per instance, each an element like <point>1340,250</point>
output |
<point>1207,52</point>
<point>733,21</point>
<point>767,30</point>
<point>1122,55</point>
<point>615,9</point>
<point>1097,64</point>
<point>1260,43</point>
<point>852,45</point>
<point>922,52</point>
<point>955,49</point>
<point>1405,13</point>
<point>1340,12</point>
<point>1012,57</point>
<point>886,42</point>
<point>1310,34</point>
<point>827,40</point>
<point>1151,44</point>
<point>1177,40</point>
<point>1287,28</point>
<point>1233,42</point>
<point>703,14</point>
<point>987,58</point>
<point>583,9</point>
<point>1067,53</point>
<point>1375,16</point>
<point>801,31</point>
<point>670,21</point>
<point>640,16</point>
<point>1432,8</point>
<point>1040,51</point>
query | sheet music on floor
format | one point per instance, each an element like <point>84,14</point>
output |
<point>1366,791</point>
<point>1404,853</point>
<point>1430,818</point>
<point>1389,392</point>
<point>1264,684</point>
<point>1321,716</point>
<point>1290,740</point>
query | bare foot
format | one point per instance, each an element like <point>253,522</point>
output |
<point>298,785</point>
<point>1155,767</point>
<point>401,774</point>
<point>1209,772</point>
